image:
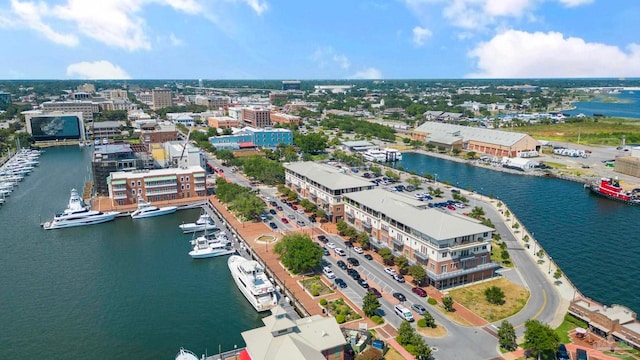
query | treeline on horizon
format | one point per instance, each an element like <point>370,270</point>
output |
<point>59,86</point>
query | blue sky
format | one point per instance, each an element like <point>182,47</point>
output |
<point>309,39</point>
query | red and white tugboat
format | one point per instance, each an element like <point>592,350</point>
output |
<point>611,189</point>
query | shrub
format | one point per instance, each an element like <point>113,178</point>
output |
<point>432,301</point>
<point>422,322</point>
<point>370,354</point>
<point>315,292</point>
<point>377,319</point>
<point>340,318</point>
<point>323,302</point>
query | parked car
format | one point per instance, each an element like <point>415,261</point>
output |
<point>451,207</point>
<point>375,292</point>
<point>312,219</point>
<point>340,252</point>
<point>294,207</point>
<point>263,217</point>
<point>362,282</point>
<point>300,223</point>
<point>342,265</point>
<point>331,245</point>
<point>348,244</point>
<point>300,211</point>
<point>328,272</point>
<point>272,211</point>
<point>279,208</point>
<point>340,283</point>
<point>399,278</point>
<point>325,251</point>
<point>355,275</point>
<point>368,256</point>
<point>420,309</point>
<point>399,296</point>
<point>291,216</point>
<point>273,203</point>
<point>284,220</point>
<point>419,291</point>
<point>323,238</point>
<point>353,261</point>
<point>403,312</point>
<point>358,250</point>
<point>390,270</point>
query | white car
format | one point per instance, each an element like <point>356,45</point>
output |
<point>328,273</point>
<point>340,252</point>
<point>391,271</point>
<point>300,211</point>
<point>358,250</point>
<point>331,245</point>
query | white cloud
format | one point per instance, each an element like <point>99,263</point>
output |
<point>519,54</point>
<point>325,56</point>
<point>115,23</point>
<point>101,69</point>
<point>420,34</point>
<point>369,73</point>
<point>574,3</point>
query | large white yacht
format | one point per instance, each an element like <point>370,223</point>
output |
<point>382,155</point>
<point>253,283</point>
<point>78,214</point>
<point>146,209</point>
<point>185,354</point>
<point>206,247</point>
<point>203,223</point>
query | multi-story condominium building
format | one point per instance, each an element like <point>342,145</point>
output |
<point>284,119</point>
<point>153,133</point>
<point>145,97</point>
<point>161,98</point>
<point>223,122</point>
<point>323,185</point>
<point>453,249</point>
<point>157,185</point>
<point>105,129</point>
<point>115,94</point>
<point>233,142</point>
<point>117,157</point>
<point>256,116</point>
<point>235,112</point>
<point>269,138</point>
<point>87,108</point>
<point>214,102</point>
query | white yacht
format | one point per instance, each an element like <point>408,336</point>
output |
<point>146,210</point>
<point>392,154</point>
<point>203,223</point>
<point>376,155</point>
<point>253,283</point>
<point>78,213</point>
<point>185,354</point>
<point>206,247</point>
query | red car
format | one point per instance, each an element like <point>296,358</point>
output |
<point>419,291</point>
<point>284,220</point>
<point>294,207</point>
<point>375,292</point>
<point>451,207</point>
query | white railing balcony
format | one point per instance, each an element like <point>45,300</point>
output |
<point>151,185</point>
<point>201,188</point>
<point>162,192</point>
<point>119,196</point>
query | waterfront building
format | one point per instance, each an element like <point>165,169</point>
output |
<point>157,185</point>
<point>453,249</point>
<point>87,108</point>
<point>161,98</point>
<point>117,157</point>
<point>256,116</point>
<point>105,129</point>
<point>314,337</point>
<point>54,125</point>
<point>488,141</point>
<point>615,321</point>
<point>323,185</point>
<point>284,119</point>
<point>223,122</point>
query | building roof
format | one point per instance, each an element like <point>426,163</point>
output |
<point>306,339</point>
<point>326,175</point>
<point>467,133</point>
<point>447,139</point>
<point>158,172</point>
<point>105,124</point>
<point>434,223</point>
<point>360,143</point>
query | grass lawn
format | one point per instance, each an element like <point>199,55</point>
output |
<point>453,316</point>
<point>473,298</point>
<point>392,354</point>
<point>438,331</point>
<point>607,131</point>
<point>339,307</point>
<point>496,256</point>
<point>316,287</point>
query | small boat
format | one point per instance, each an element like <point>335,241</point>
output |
<point>146,209</point>
<point>203,223</point>
<point>253,283</point>
<point>185,354</point>
<point>78,213</point>
<point>611,189</point>
<point>205,247</point>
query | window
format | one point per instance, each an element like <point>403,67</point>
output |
<point>444,254</point>
<point>181,187</point>
<point>133,183</point>
<point>443,268</point>
<point>187,178</point>
<point>181,178</point>
<point>133,191</point>
<point>139,191</point>
<point>139,183</point>
<point>485,234</point>
<point>188,186</point>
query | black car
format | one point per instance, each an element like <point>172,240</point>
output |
<point>273,203</point>
<point>375,292</point>
<point>348,244</point>
<point>279,208</point>
<point>353,261</point>
<point>399,296</point>
<point>272,211</point>
<point>312,219</point>
<point>273,225</point>
<point>355,275</point>
<point>362,282</point>
<point>351,271</point>
<point>323,238</point>
<point>342,265</point>
<point>368,256</point>
<point>340,283</point>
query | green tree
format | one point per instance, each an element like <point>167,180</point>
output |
<point>311,143</point>
<point>447,302</point>
<point>558,274</point>
<point>370,304</point>
<point>392,175</point>
<point>363,240</point>
<point>375,169</point>
<point>417,272</point>
<point>507,213</point>
<point>406,333</point>
<point>441,149</point>
<point>456,151</point>
<point>247,205</point>
<point>430,146</point>
<point>471,155</point>
<point>477,212</point>
<point>387,256</point>
<point>298,253</point>
<point>540,339</point>
<point>414,181</point>
<point>403,264</point>
<point>505,255</point>
<point>436,192</point>
<point>494,295</point>
<point>515,226</point>
<point>497,236</point>
<point>422,351</point>
<point>507,336</point>
<point>429,320</point>
<point>342,227</point>
<point>225,155</point>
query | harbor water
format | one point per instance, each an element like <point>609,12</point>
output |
<point>628,106</point>
<point>595,241</point>
<point>120,290</point>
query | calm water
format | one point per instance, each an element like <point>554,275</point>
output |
<point>630,108</point>
<point>120,290</point>
<point>595,241</point>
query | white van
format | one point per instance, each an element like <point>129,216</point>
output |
<point>328,272</point>
<point>404,313</point>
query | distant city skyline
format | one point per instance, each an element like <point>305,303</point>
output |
<point>277,39</point>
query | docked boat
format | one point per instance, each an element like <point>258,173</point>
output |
<point>78,213</point>
<point>206,247</point>
<point>253,283</point>
<point>146,209</point>
<point>204,223</point>
<point>382,155</point>
<point>185,354</point>
<point>611,189</point>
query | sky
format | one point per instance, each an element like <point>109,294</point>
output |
<point>319,39</point>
